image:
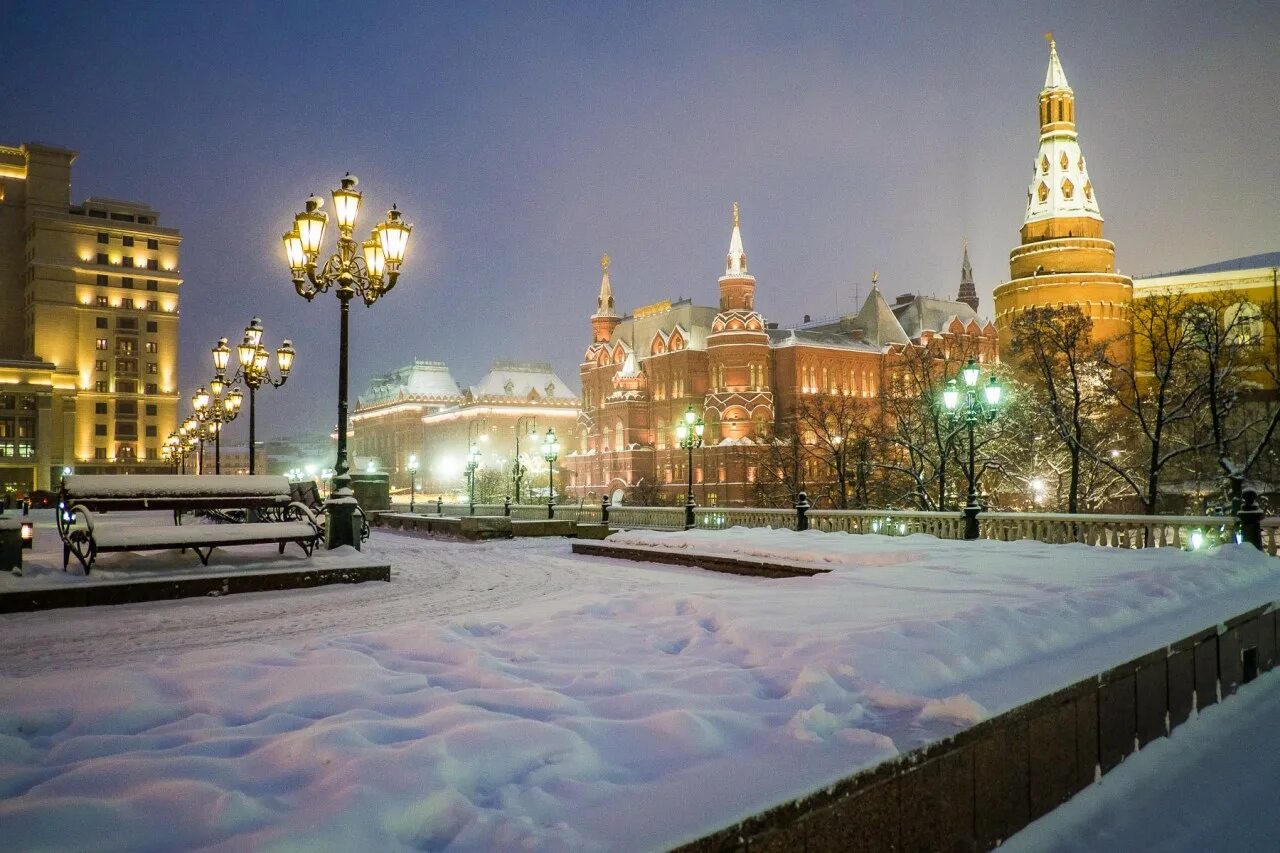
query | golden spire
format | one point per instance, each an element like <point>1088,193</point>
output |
<point>735,214</point>
<point>1049,38</point>
<point>604,262</point>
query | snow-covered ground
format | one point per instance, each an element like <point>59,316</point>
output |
<point>509,694</point>
<point>1211,785</point>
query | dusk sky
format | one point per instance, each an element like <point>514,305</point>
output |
<point>523,141</point>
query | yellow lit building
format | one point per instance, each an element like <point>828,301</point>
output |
<point>88,327</point>
<point>1062,258</point>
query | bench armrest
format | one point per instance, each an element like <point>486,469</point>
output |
<point>307,514</point>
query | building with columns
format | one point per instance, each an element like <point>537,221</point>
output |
<point>88,327</point>
<point>420,410</point>
<point>742,374</point>
<point>1062,257</point>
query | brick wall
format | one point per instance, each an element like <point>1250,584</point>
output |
<point>980,786</point>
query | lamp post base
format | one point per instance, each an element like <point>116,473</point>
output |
<point>688,513</point>
<point>971,520</point>
<point>342,527</point>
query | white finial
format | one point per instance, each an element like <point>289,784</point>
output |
<point>735,263</point>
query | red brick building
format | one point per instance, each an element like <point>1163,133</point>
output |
<point>742,374</point>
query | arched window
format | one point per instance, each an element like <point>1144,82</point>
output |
<point>660,434</point>
<point>619,436</point>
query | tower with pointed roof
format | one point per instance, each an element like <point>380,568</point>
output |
<point>606,318</point>
<point>968,292</point>
<point>1062,258</point>
<point>739,400</point>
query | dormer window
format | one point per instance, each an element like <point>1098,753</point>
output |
<point>1064,161</point>
<point>1043,191</point>
<point>1068,189</point>
<point>1088,190</point>
<point>1044,164</point>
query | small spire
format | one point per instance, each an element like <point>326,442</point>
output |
<point>968,291</point>
<point>875,277</point>
<point>735,263</point>
<point>604,302</point>
<point>1055,77</point>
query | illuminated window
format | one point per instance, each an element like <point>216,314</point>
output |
<point>1063,161</point>
<point>151,347</point>
<point>1088,190</point>
<point>1043,191</point>
<point>100,343</point>
<point>1068,189</point>
<point>1044,164</point>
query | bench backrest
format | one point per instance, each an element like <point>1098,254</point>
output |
<point>306,493</point>
<point>173,491</point>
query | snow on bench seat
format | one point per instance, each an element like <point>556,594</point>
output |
<point>159,537</point>
<point>85,486</point>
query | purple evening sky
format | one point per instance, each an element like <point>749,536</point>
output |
<point>523,140</point>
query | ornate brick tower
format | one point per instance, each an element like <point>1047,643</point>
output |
<point>1063,258</point>
<point>740,402</point>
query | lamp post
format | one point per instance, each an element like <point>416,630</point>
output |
<point>973,409</point>
<point>216,407</point>
<point>525,425</point>
<point>413,476</point>
<point>689,431</point>
<point>551,452</point>
<point>473,462</point>
<point>369,269</point>
<point>254,371</point>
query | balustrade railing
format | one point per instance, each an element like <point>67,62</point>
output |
<point>651,517</point>
<point>721,518</point>
<point>896,522</point>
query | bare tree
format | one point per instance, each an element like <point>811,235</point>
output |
<point>1052,348</point>
<point>1242,383</point>
<point>836,431</point>
<point>780,472</point>
<point>918,441</point>
<point>1158,393</point>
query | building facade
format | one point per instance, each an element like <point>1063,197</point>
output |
<point>420,410</point>
<point>1062,257</point>
<point>88,327</point>
<point>744,376</point>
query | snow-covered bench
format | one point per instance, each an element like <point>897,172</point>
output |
<point>84,498</point>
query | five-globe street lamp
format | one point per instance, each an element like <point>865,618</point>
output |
<point>213,408</point>
<point>413,476</point>
<point>473,463</point>
<point>551,452</point>
<point>368,269</point>
<point>525,425</point>
<point>254,371</point>
<point>689,431</point>
<point>970,407</point>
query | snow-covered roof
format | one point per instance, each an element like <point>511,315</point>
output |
<point>523,379</point>
<point>1267,260</point>
<point>929,313</point>
<point>417,379</point>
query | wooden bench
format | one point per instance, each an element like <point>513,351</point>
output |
<point>85,498</point>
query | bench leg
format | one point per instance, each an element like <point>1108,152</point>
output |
<point>66,555</point>
<point>204,558</point>
<point>282,544</point>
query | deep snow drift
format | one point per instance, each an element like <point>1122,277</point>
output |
<point>508,695</point>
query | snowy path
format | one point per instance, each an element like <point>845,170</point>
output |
<point>431,579</point>
<point>1212,785</point>
<point>509,695</point>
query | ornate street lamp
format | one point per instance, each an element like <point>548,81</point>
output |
<point>473,463</point>
<point>551,452</point>
<point>689,431</point>
<point>413,476</point>
<point>525,425</point>
<point>369,269</point>
<point>217,407</point>
<point>969,407</point>
<point>254,371</point>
